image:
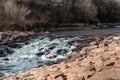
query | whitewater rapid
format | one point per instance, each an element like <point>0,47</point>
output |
<point>43,50</point>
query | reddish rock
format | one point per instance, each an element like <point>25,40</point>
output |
<point>108,74</point>
<point>100,62</point>
<point>55,76</point>
<point>93,43</point>
<point>52,56</point>
<point>59,78</point>
<point>116,38</point>
<point>113,44</point>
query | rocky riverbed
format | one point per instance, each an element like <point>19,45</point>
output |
<point>22,52</point>
<point>98,61</point>
<point>78,57</point>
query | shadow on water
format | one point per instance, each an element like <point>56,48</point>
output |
<point>91,32</point>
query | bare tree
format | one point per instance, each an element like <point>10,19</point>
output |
<point>108,10</point>
<point>85,11</point>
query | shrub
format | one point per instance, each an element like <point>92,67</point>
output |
<point>108,10</point>
<point>85,11</point>
<point>75,11</point>
<point>13,13</point>
<point>59,14</point>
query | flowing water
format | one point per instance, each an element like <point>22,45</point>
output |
<point>45,50</point>
<point>40,51</point>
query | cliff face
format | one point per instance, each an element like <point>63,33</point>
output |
<point>99,61</point>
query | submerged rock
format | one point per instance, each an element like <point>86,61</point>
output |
<point>1,75</point>
<point>52,56</point>
<point>43,50</point>
<point>98,64</point>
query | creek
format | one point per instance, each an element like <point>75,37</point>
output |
<point>40,51</point>
<point>46,49</point>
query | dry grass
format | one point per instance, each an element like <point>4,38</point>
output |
<point>13,13</point>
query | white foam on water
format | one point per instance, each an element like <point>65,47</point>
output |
<point>39,52</point>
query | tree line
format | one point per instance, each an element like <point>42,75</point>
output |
<point>34,13</point>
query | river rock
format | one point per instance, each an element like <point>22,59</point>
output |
<point>4,50</point>
<point>1,74</point>
<point>116,38</point>
<point>1,36</point>
<point>73,76</point>
<point>113,44</point>
<point>15,45</point>
<point>93,43</point>
<point>101,62</point>
<point>2,54</point>
<point>52,56</point>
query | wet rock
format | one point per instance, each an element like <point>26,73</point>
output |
<point>3,35</point>
<point>40,53</point>
<point>93,43</point>
<point>1,75</point>
<point>52,56</point>
<point>62,51</point>
<point>85,43</point>
<point>15,45</point>
<point>4,50</point>
<point>8,37</point>
<point>2,54</point>
<point>20,34</point>
<point>59,51</point>
<point>51,47</point>
<point>109,37</point>
<point>101,62</point>
<point>6,59</point>
<point>99,38</point>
